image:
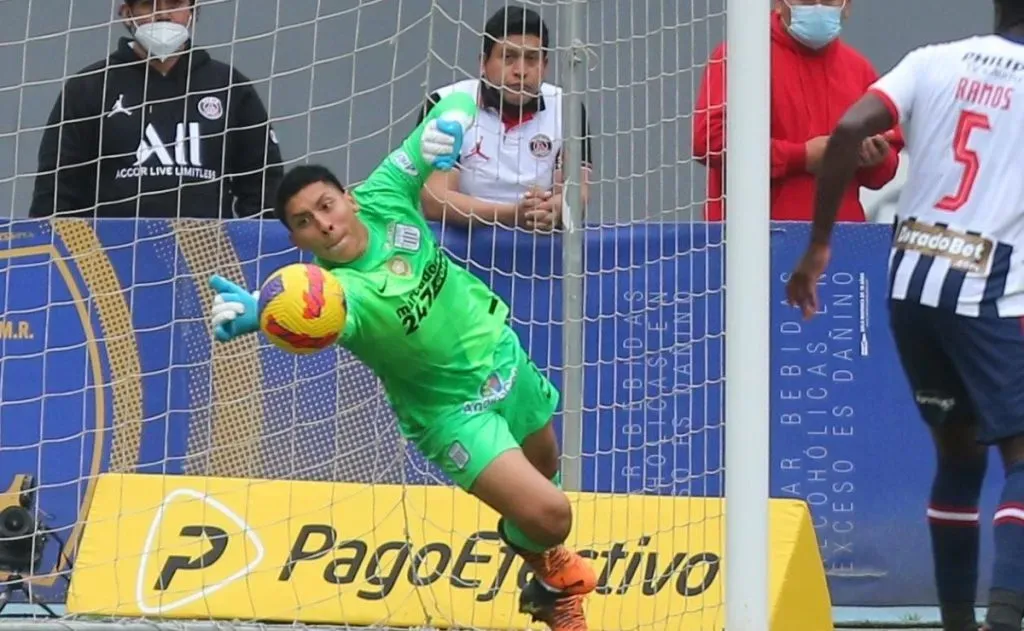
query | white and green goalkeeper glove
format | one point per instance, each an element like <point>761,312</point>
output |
<point>235,311</point>
<point>441,142</point>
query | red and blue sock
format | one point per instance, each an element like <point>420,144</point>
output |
<point>1006,599</point>
<point>953,520</point>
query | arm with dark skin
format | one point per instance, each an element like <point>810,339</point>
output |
<point>867,117</point>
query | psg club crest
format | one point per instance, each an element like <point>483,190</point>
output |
<point>211,107</point>
<point>540,146</point>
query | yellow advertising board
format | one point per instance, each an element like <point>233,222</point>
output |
<point>318,552</point>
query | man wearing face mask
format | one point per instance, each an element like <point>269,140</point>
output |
<point>815,78</point>
<point>158,129</point>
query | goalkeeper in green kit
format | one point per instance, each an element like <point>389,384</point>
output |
<point>461,384</point>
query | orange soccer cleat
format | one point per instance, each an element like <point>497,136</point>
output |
<point>559,568</point>
<point>562,570</point>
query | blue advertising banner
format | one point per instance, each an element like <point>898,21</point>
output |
<point>107,364</point>
<point>846,435</point>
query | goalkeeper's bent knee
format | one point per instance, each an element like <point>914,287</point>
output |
<point>542,524</point>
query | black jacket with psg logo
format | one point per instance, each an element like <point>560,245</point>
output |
<point>125,141</point>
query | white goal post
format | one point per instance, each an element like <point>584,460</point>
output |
<point>748,315</point>
<point>107,364</point>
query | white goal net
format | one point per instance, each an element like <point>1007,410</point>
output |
<point>261,486</point>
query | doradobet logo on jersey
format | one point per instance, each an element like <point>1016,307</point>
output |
<point>195,547</point>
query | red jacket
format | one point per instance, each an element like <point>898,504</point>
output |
<point>811,90</point>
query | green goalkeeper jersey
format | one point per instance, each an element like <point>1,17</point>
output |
<point>425,325</point>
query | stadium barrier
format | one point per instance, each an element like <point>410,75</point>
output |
<point>106,325</point>
<point>318,552</point>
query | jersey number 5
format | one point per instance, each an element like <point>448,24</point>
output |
<point>968,123</point>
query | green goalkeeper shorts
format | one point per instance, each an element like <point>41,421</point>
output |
<point>516,401</point>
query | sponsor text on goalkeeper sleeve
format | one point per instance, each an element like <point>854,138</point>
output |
<point>426,326</point>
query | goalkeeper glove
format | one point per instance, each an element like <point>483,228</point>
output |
<point>235,311</point>
<point>441,141</point>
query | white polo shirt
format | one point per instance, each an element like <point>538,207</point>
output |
<point>505,153</point>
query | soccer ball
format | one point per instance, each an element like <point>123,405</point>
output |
<point>302,308</point>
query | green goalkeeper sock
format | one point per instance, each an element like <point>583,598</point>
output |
<point>517,537</point>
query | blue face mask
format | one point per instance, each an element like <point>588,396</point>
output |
<point>815,25</point>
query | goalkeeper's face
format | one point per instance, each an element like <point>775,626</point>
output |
<point>324,220</point>
<point>516,65</point>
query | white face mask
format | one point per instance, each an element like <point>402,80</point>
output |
<point>162,39</point>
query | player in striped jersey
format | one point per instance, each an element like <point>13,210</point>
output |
<point>957,287</point>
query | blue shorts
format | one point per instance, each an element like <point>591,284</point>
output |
<point>963,370</point>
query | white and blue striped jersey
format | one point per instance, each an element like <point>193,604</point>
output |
<point>958,240</point>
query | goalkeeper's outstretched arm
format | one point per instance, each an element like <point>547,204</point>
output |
<point>434,144</point>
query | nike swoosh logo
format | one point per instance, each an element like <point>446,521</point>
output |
<point>384,285</point>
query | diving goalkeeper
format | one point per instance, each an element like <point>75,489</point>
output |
<point>462,386</point>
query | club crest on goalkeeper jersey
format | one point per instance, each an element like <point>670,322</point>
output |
<point>424,324</point>
<point>958,241</point>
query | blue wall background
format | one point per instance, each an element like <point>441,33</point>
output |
<point>845,435</point>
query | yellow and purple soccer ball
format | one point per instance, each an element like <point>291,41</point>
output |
<point>302,308</point>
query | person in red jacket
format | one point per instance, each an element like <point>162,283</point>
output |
<point>815,78</point>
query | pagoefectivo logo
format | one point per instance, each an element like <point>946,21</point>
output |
<point>195,547</point>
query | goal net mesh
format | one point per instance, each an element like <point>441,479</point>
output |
<point>107,362</point>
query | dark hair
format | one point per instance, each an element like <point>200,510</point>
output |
<point>514,20</point>
<point>297,179</point>
<point>131,2</point>
<point>1012,14</point>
